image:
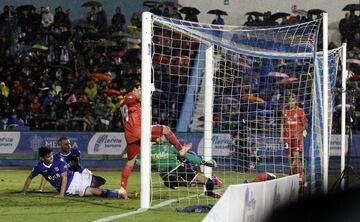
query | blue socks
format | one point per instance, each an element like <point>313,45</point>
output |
<point>109,194</point>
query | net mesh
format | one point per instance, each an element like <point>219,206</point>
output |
<point>255,71</point>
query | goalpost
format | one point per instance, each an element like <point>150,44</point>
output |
<point>223,88</point>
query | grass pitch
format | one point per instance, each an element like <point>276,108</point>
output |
<point>38,207</point>
<point>34,206</point>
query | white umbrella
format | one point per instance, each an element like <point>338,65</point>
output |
<point>278,74</point>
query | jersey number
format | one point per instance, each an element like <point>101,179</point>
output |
<point>124,113</point>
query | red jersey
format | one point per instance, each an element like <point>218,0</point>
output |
<point>130,108</point>
<point>294,121</point>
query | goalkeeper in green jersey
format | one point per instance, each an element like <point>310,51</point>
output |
<point>164,159</point>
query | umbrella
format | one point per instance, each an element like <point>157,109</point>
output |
<point>348,107</point>
<point>61,67</point>
<point>254,99</point>
<point>151,4</point>
<point>217,12</point>
<point>277,74</point>
<point>121,34</point>
<point>25,8</point>
<point>254,13</point>
<point>264,112</point>
<point>39,46</point>
<point>356,61</point>
<point>189,11</point>
<point>107,43</point>
<point>288,80</point>
<point>352,7</point>
<point>91,4</point>
<point>228,99</point>
<point>102,76</point>
<point>171,4</point>
<point>85,26</point>
<point>278,15</point>
<point>315,11</point>
<point>118,54</point>
<point>111,92</point>
<point>131,40</point>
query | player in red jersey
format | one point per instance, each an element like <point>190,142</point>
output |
<point>130,107</point>
<point>294,124</point>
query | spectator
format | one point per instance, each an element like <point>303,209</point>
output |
<point>166,12</point>
<point>249,21</point>
<point>191,18</point>
<point>91,17</point>
<point>118,20</point>
<point>176,14</point>
<point>101,20</point>
<point>91,90</point>
<point>156,9</point>
<point>61,18</point>
<point>135,20</point>
<point>345,28</point>
<point>14,121</point>
<point>218,20</point>
<point>47,18</point>
<point>35,105</point>
<point>34,21</point>
<point>4,90</point>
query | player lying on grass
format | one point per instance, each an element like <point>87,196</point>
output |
<point>67,182</point>
<point>164,158</point>
<point>72,158</point>
<point>130,108</point>
<point>264,176</point>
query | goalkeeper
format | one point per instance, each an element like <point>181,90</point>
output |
<point>164,158</point>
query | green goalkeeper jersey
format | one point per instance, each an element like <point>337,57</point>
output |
<point>164,158</point>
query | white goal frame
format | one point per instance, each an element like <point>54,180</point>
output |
<point>147,87</point>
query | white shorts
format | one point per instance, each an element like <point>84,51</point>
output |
<point>79,183</point>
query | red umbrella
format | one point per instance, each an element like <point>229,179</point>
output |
<point>288,80</point>
<point>254,99</point>
<point>102,76</point>
<point>111,92</point>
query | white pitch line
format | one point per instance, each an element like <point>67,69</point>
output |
<point>142,210</point>
<point>114,217</point>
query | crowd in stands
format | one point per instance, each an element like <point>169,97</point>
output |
<point>53,72</point>
<point>56,75</point>
<point>349,34</point>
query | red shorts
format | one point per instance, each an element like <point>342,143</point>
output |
<point>133,149</point>
<point>293,144</point>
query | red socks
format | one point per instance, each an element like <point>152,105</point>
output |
<point>262,177</point>
<point>173,140</point>
<point>125,173</point>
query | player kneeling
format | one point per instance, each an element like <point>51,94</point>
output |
<point>185,176</point>
<point>67,182</point>
<point>180,170</point>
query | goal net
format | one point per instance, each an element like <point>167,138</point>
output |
<point>224,89</point>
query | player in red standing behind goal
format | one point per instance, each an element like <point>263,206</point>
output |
<point>294,124</point>
<point>130,107</point>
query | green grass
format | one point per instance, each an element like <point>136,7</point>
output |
<point>46,207</point>
<point>38,207</point>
